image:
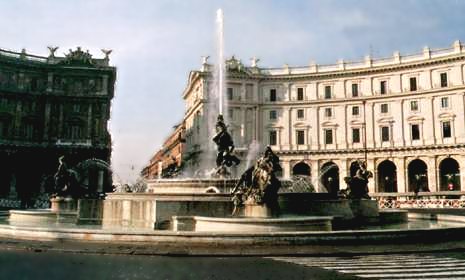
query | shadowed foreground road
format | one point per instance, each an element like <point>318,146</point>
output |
<point>56,265</point>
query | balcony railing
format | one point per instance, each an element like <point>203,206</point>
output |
<point>443,199</point>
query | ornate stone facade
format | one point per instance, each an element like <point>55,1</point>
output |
<point>51,106</point>
<point>403,114</point>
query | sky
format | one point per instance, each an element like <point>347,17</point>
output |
<point>157,43</point>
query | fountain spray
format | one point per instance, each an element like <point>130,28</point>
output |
<point>221,68</point>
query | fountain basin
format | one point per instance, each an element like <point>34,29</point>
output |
<point>45,216</point>
<point>243,225</point>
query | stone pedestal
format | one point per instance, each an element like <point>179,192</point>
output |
<point>252,210</point>
<point>90,211</point>
<point>365,209</point>
<point>58,204</point>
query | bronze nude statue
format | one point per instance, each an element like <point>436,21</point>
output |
<point>225,148</point>
<point>259,184</point>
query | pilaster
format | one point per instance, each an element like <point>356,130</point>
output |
<point>401,175</point>
<point>433,185</point>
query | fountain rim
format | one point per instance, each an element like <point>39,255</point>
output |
<point>163,242</point>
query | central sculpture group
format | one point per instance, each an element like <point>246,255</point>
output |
<point>259,185</point>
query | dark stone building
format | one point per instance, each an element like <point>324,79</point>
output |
<point>49,107</point>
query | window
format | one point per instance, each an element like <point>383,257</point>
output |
<point>231,113</point>
<point>415,129</point>
<point>76,108</point>
<point>413,84</point>
<point>300,137</point>
<point>273,115</point>
<point>354,90</point>
<point>445,102</point>
<point>273,94</point>
<point>383,87</point>
<point>249,92</point>
<point>328,112</point>
<point>300,94</point>
<point>230,93</point>
<point>446,131</point>
<point>443,79</point>
<point>328,136</point>
<point>414,105</point>
<point>75,132</point>
<point>327,92</point>
<point>300,114</point>
<point>385,133</point>
<point>355,135</point>
<point>29,130</point>
<point>273,138</point>
<point>384,108</point>
<point>355,110</point>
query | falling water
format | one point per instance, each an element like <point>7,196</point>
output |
<point>220,58</point>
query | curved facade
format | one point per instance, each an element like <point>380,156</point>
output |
<point>404,114</point>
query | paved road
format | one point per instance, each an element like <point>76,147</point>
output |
<point>395,266</point>
<point>68,266</point>
<point>58,265</point>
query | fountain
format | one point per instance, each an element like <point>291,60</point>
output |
<point>259,212</point>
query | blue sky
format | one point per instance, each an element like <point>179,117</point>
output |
<point>156,43</point>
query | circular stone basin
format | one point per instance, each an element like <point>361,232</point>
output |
<point>242,225</point>
<point>38,216</point>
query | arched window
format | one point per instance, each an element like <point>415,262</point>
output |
<point>387,177</point>
<point>449,175</point>
<point>301,168</point>
<point>417,176</point>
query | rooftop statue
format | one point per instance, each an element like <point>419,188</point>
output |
<point>357,186</point>
<point>225,147</point>
<point>259,184</point>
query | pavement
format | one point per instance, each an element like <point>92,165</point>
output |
<point>69,266</point>
<point>51,265</point>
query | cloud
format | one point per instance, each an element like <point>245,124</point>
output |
<point>157,43</point>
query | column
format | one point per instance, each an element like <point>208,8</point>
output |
<point>17,120</point>
<point>289,128</point>
<point>432,175</point>
<point>370,125</point>
<point>315,169</point>
<point>257,127</point>
<point>50,82</point>
<point>401,172</point>
<point>342,173</point>
<point>46,121</point>
<point>461,162</point>
<point>307,137</point>
<point>345,143</point>
<point>60,122</point>
<point>433,120</point>
<point>286,165</point>
<point>402,140</point>
<point>105,85</point>
<point>243,90</point>
<point>243,127</point>
<point>89,121</point>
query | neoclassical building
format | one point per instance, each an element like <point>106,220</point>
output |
<point>404,115</point>
<point>49,107</point>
